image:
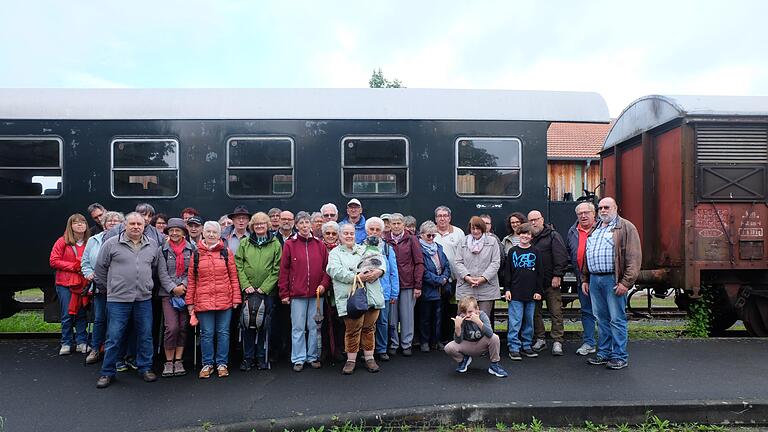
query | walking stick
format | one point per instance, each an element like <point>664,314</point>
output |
<point>319,321</point>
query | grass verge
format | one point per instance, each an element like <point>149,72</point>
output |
<point>28,322</point>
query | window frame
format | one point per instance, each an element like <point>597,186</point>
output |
<point>458,167</point>
<point>407,165</point>
<point>112,167</point>
<point>56,138</point>
<point>262,138</point>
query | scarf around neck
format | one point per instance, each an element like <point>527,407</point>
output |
<point>178,250</point>
<point>475,245</point>
<point>431,249</point>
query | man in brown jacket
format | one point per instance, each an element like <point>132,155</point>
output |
<point>612,264</point>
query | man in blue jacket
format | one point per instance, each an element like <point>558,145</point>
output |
<point>356,218</point>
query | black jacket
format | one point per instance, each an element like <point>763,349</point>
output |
<point>554,255</point>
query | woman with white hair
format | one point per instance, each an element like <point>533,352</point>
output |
<point>213,291</point>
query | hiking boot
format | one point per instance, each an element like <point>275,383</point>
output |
<point>167,369</point>
<point>92,357</point>
<point>407,352</point>
<point>530,353</point>
<point>178,368</point>
<point>540,345</point>
<point>121,366</point>
<point>81,348</point>
<point>298,367</point>
<point>424,348</point>
<point>149,376</point>
<point>515,355</point>
<point>392,351</point>
<point>497,370</point>
<point>104,381</point>
<point>557,349</point>
<point>348,368</point>
<point>205,372</point>
<point>597,360</point>
<point>383,356</point>
<point>316,364</point>
<point>586,349</point>
<point>464,365</point>
<point>223,371</point>
<point>371,365</point>
<point>616,364</point>
<point>246,365</point>
<point>65,350</point>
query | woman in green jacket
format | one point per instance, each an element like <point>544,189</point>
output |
<point>342,267</point>
<point>258,264</point>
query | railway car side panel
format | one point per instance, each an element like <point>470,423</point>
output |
<point>669,194</point>
<point>631,195</point>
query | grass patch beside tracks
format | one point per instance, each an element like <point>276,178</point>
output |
<point>28,322</point>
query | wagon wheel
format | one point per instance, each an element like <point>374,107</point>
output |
<point>755,316</point>
<point>722,313</point>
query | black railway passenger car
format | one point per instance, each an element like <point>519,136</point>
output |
<point>408,150</point>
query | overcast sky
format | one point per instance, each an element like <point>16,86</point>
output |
<point>622,50</point>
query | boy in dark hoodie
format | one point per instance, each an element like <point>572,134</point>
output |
<point>524,286</point>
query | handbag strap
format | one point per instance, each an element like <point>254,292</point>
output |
<point>355,284</point>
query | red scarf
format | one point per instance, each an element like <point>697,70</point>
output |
<point>178,250</point>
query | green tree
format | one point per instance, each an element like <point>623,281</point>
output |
<point>378,81</point>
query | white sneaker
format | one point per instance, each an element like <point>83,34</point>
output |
<point>540,345</point>
<point>65,350</point>
<point>557,349</point>
<point>82,348</point>
<point>586,349</point>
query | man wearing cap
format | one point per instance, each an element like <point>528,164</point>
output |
<point>385,218</point>
<point>238,230</point>
<point>356,218</point>
<point>195,229</point>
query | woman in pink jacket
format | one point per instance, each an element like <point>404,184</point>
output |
<point>65,259</point>
<point>212,293</point>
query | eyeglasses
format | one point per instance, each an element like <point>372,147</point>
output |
<point>286,219</point>
<point>430,236</point>
<point>584,213</point>
<point>534,219</point>
<point>329,215</point>
<point>259,224</point>
<point>331,233</point>
<point>605,207</point>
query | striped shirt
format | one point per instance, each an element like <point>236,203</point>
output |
<point>600,249</point>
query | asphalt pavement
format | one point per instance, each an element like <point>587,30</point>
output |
<point>44,392</point>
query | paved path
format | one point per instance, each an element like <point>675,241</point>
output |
<point>42,391</point>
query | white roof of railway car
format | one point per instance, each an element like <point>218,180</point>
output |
<point>651,111</point>
<point>314,104</point>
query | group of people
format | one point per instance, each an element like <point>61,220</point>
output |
<point>308,287</point>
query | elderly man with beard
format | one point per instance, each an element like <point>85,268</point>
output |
<point>613,258</point>
<point>577,248</point>
<point>554,262</point>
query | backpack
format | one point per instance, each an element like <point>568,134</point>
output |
<point>254,311</point>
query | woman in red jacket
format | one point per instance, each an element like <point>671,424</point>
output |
<point>302,277</point>
<point>65,259</point>
<point>213,292</point>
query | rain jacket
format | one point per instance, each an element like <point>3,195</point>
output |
<point>216,286</point>
<point>302,267</point>
<point>259,266</point>
<point>342,267</point>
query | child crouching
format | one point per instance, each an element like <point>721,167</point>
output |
<point>473,336</point>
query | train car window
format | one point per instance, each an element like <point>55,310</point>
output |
<point>260,167</point>
<point>488,167</point>
<point>374,166</point>
<point>30,167</point>
<point>145,167</point>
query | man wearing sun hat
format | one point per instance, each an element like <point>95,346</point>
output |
<point>239,228</point>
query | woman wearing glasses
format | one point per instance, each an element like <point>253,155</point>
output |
<point>437,272</point>
<point>511,240</point>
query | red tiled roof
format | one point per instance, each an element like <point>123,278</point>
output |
<point>576,140</point>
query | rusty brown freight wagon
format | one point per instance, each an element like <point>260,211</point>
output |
<point>692,173</point>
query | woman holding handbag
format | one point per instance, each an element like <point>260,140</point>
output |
<point>178,253</point>
<point>65,258</point>
<point>344,268</point>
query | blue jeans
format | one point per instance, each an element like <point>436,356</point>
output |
<point>99,321</point>
<point>118,316</point>
<point>610,310</point>
<point>302,322</point>
<point>255,345</point>
<point>429,321</point>
<point>214,322</point>
<point>520,315</point>
<point>382,329</point>
<point>588,319</point>
<point>67,320</point>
